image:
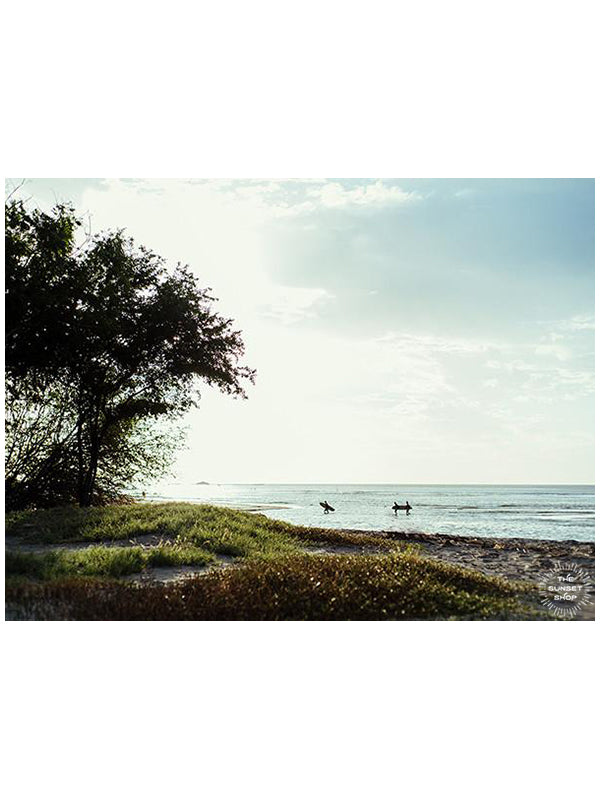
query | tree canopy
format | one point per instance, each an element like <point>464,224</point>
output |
<point>102,340</point>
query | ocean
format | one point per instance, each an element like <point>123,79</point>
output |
<point>530,512</point>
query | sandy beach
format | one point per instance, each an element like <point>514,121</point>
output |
<point>514,559</point>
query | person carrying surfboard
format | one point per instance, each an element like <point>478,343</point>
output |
<point>398,508</point>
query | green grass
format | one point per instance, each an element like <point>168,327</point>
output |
<point>274,577</point>
<point>72,524</point>
<point>401,586</point>
<point>100,561</point>
<point>222,531</point>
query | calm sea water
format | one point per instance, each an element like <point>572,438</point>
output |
<point>532,512</point>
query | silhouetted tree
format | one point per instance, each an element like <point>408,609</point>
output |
<point>101,340</point>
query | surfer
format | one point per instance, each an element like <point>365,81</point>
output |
<point>327,508</point>
<point>398,508</point>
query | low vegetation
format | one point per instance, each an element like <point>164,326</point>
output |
<point>276,576</point>
<point>401,586</point>
<point>101,561</point>
<point>219,530</point>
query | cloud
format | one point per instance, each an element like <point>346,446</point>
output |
<point>288,305</point>
<point>295,198</point>
<point>581,322</point>
<point>464,193</point>
<point>559,351</point>
<point>375,194</point>
<point>276,199</point>
<point>437,344</point>
<point>546,384</point>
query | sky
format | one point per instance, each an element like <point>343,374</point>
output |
<point>403,331</point>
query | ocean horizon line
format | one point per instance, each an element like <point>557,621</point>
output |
<point>359,483</point>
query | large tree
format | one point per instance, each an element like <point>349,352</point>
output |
<point>101,340</point>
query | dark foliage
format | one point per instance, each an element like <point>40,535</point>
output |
<point>101,341</point>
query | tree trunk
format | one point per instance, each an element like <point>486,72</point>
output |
<point>80,477</point>
<point>87,490</point>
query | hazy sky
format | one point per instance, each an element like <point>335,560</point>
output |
<point>403,331</point>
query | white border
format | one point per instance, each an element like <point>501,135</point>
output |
<point>432,89</point>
